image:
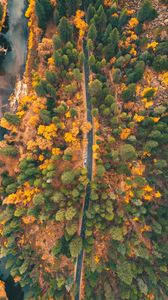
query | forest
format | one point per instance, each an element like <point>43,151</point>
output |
<point>84,151</point>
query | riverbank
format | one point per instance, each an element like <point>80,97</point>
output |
<point>4,5</point>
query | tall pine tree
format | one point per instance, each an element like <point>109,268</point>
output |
<point>65,30</point>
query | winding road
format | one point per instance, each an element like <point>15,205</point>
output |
<point>89,171</point>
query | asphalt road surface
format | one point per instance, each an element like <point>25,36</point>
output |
<point>89,170</point>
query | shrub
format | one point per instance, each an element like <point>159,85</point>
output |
<point>146,12</point>
<point>149,93</point>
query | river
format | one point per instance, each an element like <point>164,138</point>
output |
<point>11,71</point>
<point>12,66</point>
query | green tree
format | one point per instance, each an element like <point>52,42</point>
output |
<point>146,12</point>
<point>41,15</point>
<point>11,188</point>
<point>95,87</point>
<point>70,213</point>
<point>70,89</point>
<point>101,19</point>
<point>56,16</point>
<point>67,177</point>
<point>9,151</point>
<point>65,29</point>
<point>72,6</point>
<point>77,74</point>
<point>57,41</point>
<point>73,112</point>
<point>123,17</point>
<point>51,76</point>
<point>160,63</point>
<point>1,11</point>
<point>117,75</point>
<point>45,116</point>
<point>39,88</point>
<point>39,199</point>
<point>125,272</point>
<point>137,74</point>
<point>127,152</point>
<point>90,12</point>
<point>47,8</point>
<point>57,58</point>
<point>75,246</point>
<point>51,90</point>
<point>129,93</point>
<point>112,46</point>
<point>71,228</point>
<point>107,32</point>
<point>60,215</point>
<point>12,118</point>
<point>100,170</point>
<point>92,33</point>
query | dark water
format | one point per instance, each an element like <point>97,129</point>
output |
<point>14,39</point>
<point>12,65</point>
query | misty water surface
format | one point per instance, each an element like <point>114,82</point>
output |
<point>13,64</point>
